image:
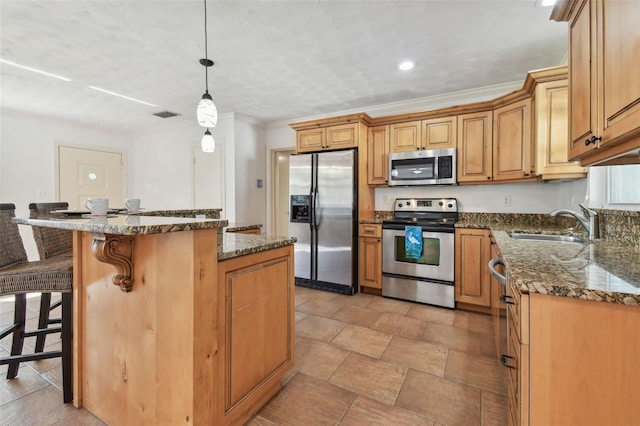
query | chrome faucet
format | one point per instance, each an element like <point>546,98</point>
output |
<point>589,223</point>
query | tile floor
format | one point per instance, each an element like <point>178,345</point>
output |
<point>360,360</point>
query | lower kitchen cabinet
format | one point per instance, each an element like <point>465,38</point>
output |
<point>472,278</point>
<point>572,361</point>
<point>370,256</point>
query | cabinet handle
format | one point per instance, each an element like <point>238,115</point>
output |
<point>503,298</point>
<point>369,230</point>
<point>593,140</point>
<point>503,361</point>
<point>526,174</point>
<point>489,177</point>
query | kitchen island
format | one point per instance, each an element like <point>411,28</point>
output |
<point>181,338</point>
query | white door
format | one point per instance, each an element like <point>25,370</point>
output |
<point>85,173</point>
<point>208,178</point>
<point>281,192</point>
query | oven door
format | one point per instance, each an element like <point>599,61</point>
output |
<point>436,262</point>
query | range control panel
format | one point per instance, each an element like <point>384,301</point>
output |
<point>425,205</point>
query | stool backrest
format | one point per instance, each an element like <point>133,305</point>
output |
<point>11,246</point>
<point>50,241</point>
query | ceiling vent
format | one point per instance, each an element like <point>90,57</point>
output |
<point>166,114</point>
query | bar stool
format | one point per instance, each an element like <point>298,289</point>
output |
<point>51,242</point>
<point>18,277</point>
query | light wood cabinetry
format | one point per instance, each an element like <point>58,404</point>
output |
<point>498,308</point>
<point>512,159</point>
<point>604,87</point>
<point>571,361</point>
<point>439,133</point>
<point>405,137</point>
<point>370,256</point>
<point>472,278</point>
<point>435,133</point>
<point>551,132</point>
<point>328,138</point>
<point>475,147</point>
<point>378,155</point>
<point>257,344</point>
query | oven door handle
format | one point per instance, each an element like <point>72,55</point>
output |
<point>502,279</point>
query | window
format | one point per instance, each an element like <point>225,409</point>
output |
<point>623,185</point>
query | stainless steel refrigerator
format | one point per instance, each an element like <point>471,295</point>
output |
<point>323,217</point>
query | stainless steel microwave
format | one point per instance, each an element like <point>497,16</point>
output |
<point>428,167</point>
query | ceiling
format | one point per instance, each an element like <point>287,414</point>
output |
<point>274,60</point>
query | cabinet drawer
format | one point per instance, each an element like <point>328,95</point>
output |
<point>370,230</point>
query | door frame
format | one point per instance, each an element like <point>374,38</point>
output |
<point>56,164</point>
<point>219,147</point>
<point>273,189</point>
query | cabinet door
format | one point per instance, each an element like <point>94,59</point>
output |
<point>405,136</point>
<point>472,278</point>
<point>512,141</point>
<point>475,142</point>
<point>439,133</point>
<point>552,133</point>
<point>310,140</point>
<point>583,99</point>
<point>342,136</point>
<point>378,155</point>
<point>618,47</point>
<point>370,263</point>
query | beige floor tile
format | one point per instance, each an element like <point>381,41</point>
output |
<point>319,328</point>
<point>494,409</point>
<point>300,299</point>
<point>81,418</point>
<point>300,315</point>
<point>400,324</point>
<point>26,382</point>
<point>259,421</point>
<point>50,408</point>
<point>373,378</point>
<point>483,372</point>
<point>318,359</point>
<point>308,401</point>
<point>416,354</point>
<point>365,411</point>
<point>359,299</point>
<point>389,305</point>
<point>460,340</point>
<point>357,315</point>
<point>432,314</point>
<point>288,376</point>
<point>315,294</point>
<point>320,307</point>
<point>362,340</point>
<point>471,321</point>
<point>441,400</point>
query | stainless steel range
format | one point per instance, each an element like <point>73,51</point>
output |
<point>430,277</point>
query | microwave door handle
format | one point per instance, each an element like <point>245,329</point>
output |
<point>436,174</point>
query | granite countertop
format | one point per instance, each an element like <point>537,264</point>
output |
<point>235,227</point>
<point>376,221</point>
<point>596,270</point>
<point>124,224</point>
<point>235,245</point>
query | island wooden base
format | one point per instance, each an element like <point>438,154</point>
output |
<point>159,354</point>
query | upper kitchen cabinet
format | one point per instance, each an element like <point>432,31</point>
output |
<point>475,144</point>
<point>378,155</point>
<point>604,59</point>
<point>439,133</point>
<point>434,133</point>
<point>551,133</point>
<point>328,134</point>
<point>512,159</point>
<point>405,136</point>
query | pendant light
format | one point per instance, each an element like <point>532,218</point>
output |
<point>207,113</point>
<point>208,144</point>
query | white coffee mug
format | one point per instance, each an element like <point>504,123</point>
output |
<point>97,206</point>
<point>132,204</point>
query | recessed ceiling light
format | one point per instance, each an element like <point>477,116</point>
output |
<point>406,66</point>
<point>548,2</point>
<point>121,96</point>
<point>24,67</point>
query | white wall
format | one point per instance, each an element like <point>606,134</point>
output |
<point>27,158</point>
<point>524,197</point>
<point>250,166</point>
<point>162,176</point>
<point>278,137</point>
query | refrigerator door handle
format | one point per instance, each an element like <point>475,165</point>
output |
<point>312,207</point>
<point>315,210</point>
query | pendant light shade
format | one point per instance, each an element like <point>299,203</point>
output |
<point>207,113</point>
<point>208,144</point>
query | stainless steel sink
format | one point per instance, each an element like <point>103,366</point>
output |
<point>547,237</point>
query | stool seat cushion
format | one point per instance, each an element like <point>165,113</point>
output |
<point>48,275</point>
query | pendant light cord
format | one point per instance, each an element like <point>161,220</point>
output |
<point>206,56</point>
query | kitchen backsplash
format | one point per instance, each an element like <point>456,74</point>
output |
<point>620,225</point>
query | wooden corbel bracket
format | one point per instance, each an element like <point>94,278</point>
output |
<point>116,250</point>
